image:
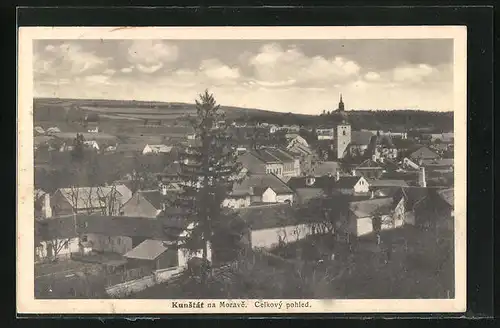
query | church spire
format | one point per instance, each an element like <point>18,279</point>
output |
<point>341,104</point>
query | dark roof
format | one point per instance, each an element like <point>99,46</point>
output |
<point>306,194</point>
<point>361,137</point>
<point>414,195</point>
<point>323,182</point>
<point>172,169</point>
<point>387,183</point>
<point>272,155</point>
<point>423,153</point>
<point>130,147</point>
<point>325,168</point>
<point>149,249</point>
<point>438,162</point>
<point>262,182</point>
<point>369,207</point>
<point>319,182</point>
<point>346,182</point>
<point>268,216</point>
<point>154,197</point>
<point>393,191</point>
<point>165,228</point>
<point>368,163</point>
<point>448,196</point>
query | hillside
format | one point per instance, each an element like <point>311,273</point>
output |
<point>138,112</point>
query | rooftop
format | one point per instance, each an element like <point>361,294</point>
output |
<point>263,181</point>
<point>369,207</point>
<point>147,250</point>
<point>268,216</point>
<point>164,228</point>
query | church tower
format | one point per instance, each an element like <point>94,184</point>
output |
<point>341,104</point>
<point>342,138</point>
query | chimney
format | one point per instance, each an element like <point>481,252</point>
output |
<point>421,178</point>
<point>337,175</point>
<point>353,173</point>
<point>163,189</point>
<point>47,209</point>
<point>372,194</point>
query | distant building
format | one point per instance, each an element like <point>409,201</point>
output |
<point>307,188</point>
<point>341,105</point>
<point>38,130</point>
<point>271,160</point>
<point>145,203</point>
<point>325,133</point>
<point>423,153</point>
<point>343,139</point>
<point>259,188</point>
<point>156,149</point>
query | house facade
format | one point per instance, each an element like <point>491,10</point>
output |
<point>144,203</point>
<point>273,225</point>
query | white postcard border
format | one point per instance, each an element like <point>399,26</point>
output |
<point>27,304</point>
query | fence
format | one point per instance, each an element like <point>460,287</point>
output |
<point>127,275</point>
<point>133,281</point>
<point>133,286</point>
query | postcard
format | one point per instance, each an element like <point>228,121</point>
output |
<point>166,170</point>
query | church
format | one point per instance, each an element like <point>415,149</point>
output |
<point>342,132</point>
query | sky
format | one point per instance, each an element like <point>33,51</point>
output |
<point>298,76</point>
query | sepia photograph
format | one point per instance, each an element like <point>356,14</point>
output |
<point>241,170</point>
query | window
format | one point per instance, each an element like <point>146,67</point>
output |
<point>118,241</point>
<point>84,238</point>
<point>343,132</point>
<point>66,245</point>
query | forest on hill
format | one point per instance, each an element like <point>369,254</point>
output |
<point>47,109</point>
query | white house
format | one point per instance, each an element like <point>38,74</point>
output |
<point>272,224</point>
<point>325,134</point>
<point>91,144</point>
<point>278,196</point>
<point>257,188</point>
<point>363,215</point>
<point>156,149</point>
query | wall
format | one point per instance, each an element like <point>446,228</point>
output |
<point>362,186</point>
<point>357,150</point>
<point>409,218</point>
<point>363,226</point>
<point>60,205</point>
<point>164,275</point>
<point>237,202</point>
<point>169,259</point>
<point>184,255</point>
<point>133,286</point>
<point>114,244</point>
<point>343,139</point>
<point>275,168</point>
<point>269,196</point>
<point>283,198</point>
<point>268,238</point>
<point>42,253</point>
<point>140,207</point>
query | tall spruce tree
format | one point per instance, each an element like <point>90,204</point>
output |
<point>208,171</point>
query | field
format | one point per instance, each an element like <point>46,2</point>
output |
<point>135,113</point>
